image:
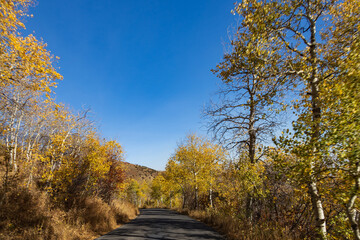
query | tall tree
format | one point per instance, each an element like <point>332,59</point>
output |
<point>250,99</point>
<point>298,26</point>
<point>23,60</point>
<point>250,94</point>
<point>196,163</point>
<point>341,99</point>
<point>26,72</point>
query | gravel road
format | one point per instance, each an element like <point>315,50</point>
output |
<point>162,224</point>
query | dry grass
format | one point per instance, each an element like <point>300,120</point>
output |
<point>96,213</point>
<point>124,211</point>
<point>27,215</point>
<point>234,229</point>
<point>101,217</point>
<point>21,207</point>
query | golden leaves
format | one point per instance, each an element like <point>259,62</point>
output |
<point>23,60</point>
<point>57,147</point>
<point>196,163</point>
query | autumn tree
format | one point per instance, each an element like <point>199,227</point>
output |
<point>109,184</point>
<point>196,163</point>
<point>176,179</point>
<point>134,192</point>
<point>47,150</point>
<point>157,189</point>
<point>250,95</point>
<point>26,71</point>
<point>23,60</point>
<point>247,112</point>
<point>299,27</point>
<point>341,101</point>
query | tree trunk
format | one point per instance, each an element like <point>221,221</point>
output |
<point>170,197</point>
<point>10,136</point>
<point>252,145</point>
<point>196,198</point>
<point>318,209</point>
<point>315,135</point>
<point>183,195</point>
<point>16,137</point>
<point>352,212</point>
<point>249,205</point>
<point>251,130</point>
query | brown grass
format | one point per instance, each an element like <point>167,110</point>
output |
<point>97,214</point>
<point>28,215</point>
<point>100,216</point>
<point>25,214</point>
<point>234,229</point>
<point>124,211</point>
<point>21,207</point>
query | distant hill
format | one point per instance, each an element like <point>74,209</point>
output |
<point>140,173</point>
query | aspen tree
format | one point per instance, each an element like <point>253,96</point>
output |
<point>341,100</point>
<point>196,163</point>
<point>298,26</point>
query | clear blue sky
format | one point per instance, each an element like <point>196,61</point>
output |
<point>143,66</point>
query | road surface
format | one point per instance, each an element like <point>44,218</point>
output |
<point>164,224</point>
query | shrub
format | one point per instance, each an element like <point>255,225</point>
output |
<point>97,214</point>
<point>124,211</point>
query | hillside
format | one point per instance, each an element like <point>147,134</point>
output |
<point>139,173</point>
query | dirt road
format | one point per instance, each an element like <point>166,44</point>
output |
<point>162,224</point>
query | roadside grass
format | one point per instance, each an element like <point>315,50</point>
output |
<point>28,214</point>
<point>124,211</point>
<point>235,229</point>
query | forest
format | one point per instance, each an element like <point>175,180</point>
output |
<point>281,160</point>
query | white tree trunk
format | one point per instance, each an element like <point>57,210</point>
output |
<point>353,213</point>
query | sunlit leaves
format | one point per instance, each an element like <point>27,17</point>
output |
<point>23,60</point>
<point>196,164</point>
<point>48,144</point>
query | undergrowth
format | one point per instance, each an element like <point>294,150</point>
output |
<point>235,229</point>
<point>28,214</point>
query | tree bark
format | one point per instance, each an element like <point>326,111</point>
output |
<point>196,198</point>
<point>315,135</point>
<point>352,212</point>
<point>249,205</point>
<point>251,130</point>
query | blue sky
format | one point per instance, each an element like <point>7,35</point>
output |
<point>143,67</point>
